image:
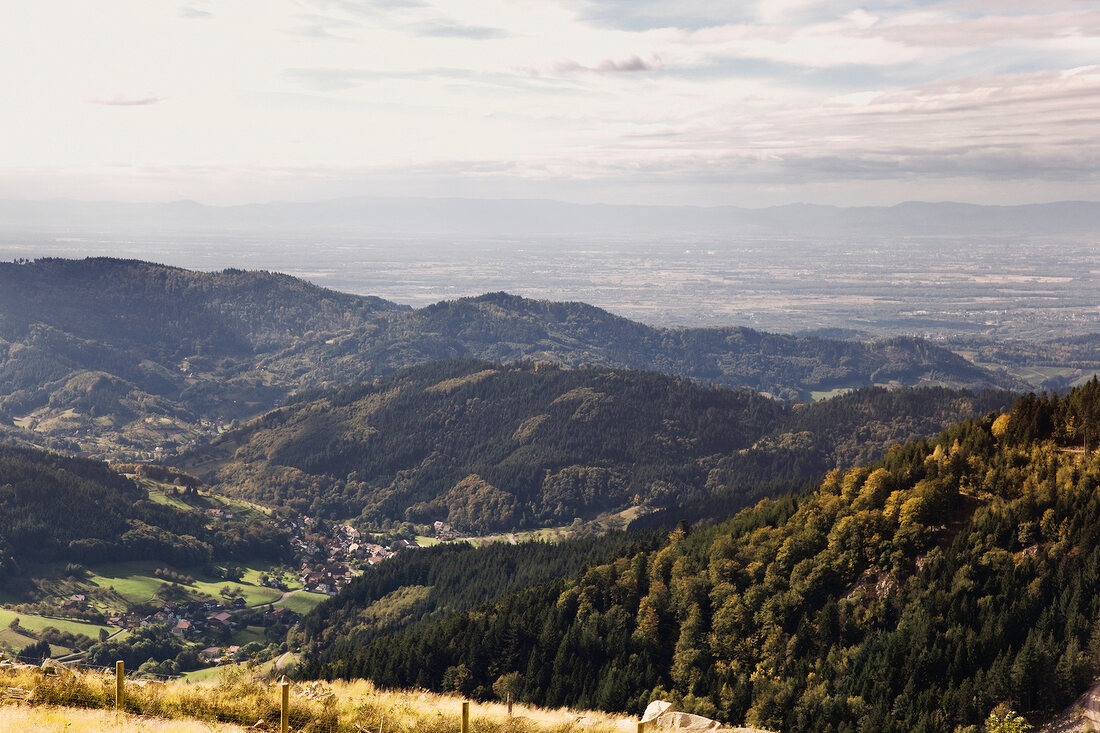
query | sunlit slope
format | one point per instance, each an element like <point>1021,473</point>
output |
<point>913,594</point>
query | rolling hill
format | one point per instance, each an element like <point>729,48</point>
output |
<point>120,358</point>
<point>59,509</point>
<point>487,447</point>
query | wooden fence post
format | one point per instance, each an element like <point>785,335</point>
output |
<point>465,716</point>
<point>120,677</point>
<point>284,717</point>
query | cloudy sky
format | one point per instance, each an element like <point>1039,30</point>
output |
<point>650,101</point>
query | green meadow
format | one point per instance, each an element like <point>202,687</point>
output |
<point>137,583</point>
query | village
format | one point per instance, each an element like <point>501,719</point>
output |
<point>327,556</point>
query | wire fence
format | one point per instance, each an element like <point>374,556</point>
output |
<point>241,698</point>
<point>80,666</point>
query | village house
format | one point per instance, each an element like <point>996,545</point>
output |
<point>77,600</point>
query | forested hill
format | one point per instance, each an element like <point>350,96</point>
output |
<point>914,594</point>
<point>54,508</point>
<point>119,357</point>
<point>488,447</point>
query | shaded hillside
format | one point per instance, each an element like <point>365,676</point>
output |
<point>434,582</point>
<point>487,447</point>
<point>502,327</point>
<point>119,357</point>
<point>54,508</point>
<point>123,356</point>
<point>914,594</point>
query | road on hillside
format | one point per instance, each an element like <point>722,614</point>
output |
<point>78,656</point>
<point>1092,706</point>
<point>280,599</point>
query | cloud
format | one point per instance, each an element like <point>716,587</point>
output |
<point>936,30</point>
<point>330,79</point>
<point>367,9</point>
<point>120,100</point>
<point>643,15</point>
<point>610,66</point>
<point>194,13</point>
<point>450,30</point>
<point>311,25</point>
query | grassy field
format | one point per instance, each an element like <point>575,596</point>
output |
<point>37,623</point>
<point>605,522</point>
<point>248,634</point>
<point>137,583</point>
<point>302,602</point>
<point>159,494</point>
<point>13,640</point>
<point>252,575</point>
<point>235,694</point>
<point>201,675</point>
<point>827,394</point>
<point>58,719</point>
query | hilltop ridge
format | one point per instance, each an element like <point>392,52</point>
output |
<point>119,358</point>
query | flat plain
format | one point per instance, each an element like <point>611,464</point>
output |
<point>993,287</point>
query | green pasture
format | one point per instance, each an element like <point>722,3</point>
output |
<point>158,495</point>
<point>13,640</point>
<point>302,602</point>
<point>37,623</point>
<point>252,575</point>
<point>137,583</point>
<point>249,633</point>
<point>819,395</point>
<point>203,674</point>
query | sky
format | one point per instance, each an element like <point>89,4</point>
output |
<point>615,101</point>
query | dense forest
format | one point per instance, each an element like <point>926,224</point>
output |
<point>429,584</point>
<point>54,508</point>
<point>119,357</point>
<point>911,594</point>
<point>488,447</point>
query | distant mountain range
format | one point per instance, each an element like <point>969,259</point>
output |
<point>117,358</point>
<point>525,216</point>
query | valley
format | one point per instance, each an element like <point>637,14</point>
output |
<point>596,511</point>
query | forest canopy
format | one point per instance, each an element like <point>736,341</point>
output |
<point>912,594</point>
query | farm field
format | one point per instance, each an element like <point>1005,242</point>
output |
<point>137,583</point>
<point>302,602</point>
<point>12,640</point>
<point>37,623</point>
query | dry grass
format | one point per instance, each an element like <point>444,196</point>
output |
<point>242,698</point>
<point>56,719</point>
